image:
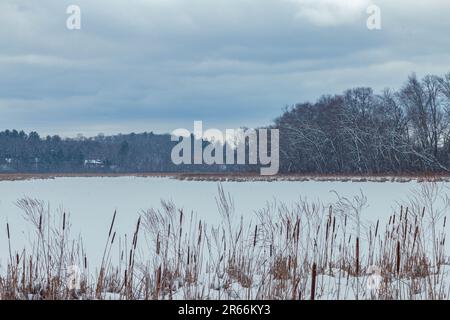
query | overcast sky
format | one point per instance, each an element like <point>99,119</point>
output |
<point>157,65</point>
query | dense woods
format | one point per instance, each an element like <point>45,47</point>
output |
<point>22,152</point>
<point>143,152</point>
<point>362,132</point>
<point>359,131</point>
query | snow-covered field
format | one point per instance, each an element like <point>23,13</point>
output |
<point>91,202</point>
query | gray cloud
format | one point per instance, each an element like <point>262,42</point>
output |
<point>159,64</point>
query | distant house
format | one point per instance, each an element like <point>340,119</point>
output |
<point>93,163</point>
<point>6,165</point>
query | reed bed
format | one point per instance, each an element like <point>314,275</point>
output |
<point>305,251</point>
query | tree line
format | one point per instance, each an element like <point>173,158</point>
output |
<point>134,152</point>
<point>356,132</point>
<point>403,131</point>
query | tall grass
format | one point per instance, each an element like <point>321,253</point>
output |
<point>308,250</point>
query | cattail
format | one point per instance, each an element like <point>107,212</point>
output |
<point>326,230</point>
<point>135,236</point>
<point>334,224</point>
<point>376,227</point>
<point>30,285</point>
<point>416,233</point>
<point>357,256</point>
<point>9,243</point>
<point>112,223</point>
<point>40,222</point>
<point>313,281</point>
<point>157,244</point>
<point>405,231</point>
<point>199,233</point>
<point>64,221</point>
<point>158,281</point>
<point>254,237</point>
<point>398,257</point>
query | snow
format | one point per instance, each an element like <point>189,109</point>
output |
<point>91,202</point>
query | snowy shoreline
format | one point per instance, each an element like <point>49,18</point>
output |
<point>241,177</point>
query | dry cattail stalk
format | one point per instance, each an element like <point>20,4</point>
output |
<point>112,223</point>
<point>313,281</point>
<point>398,258</point>
<point>357,257</point>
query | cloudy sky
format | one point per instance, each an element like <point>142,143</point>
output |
<point>157,65</point>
